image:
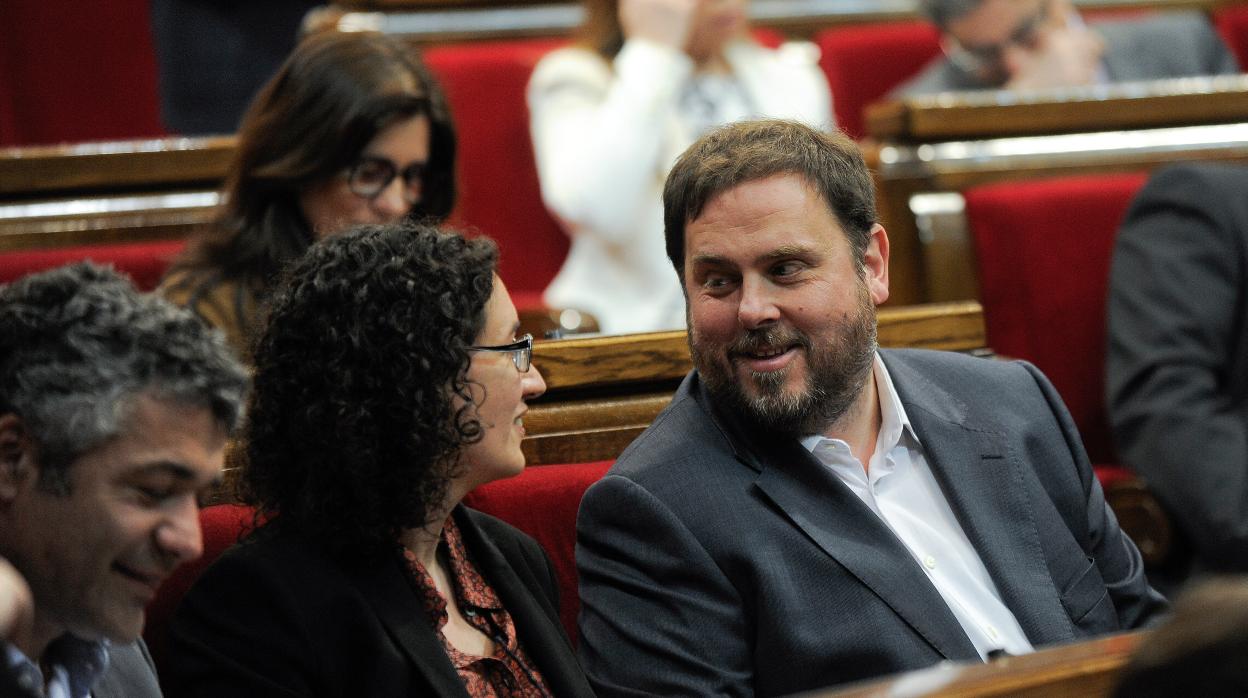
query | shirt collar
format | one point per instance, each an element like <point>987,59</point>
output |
<point>75,662</point>
<point>894,422</point>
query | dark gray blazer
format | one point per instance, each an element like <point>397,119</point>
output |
<point>715,560</point>
<point>1177,359</point>
<point>130,674</point>
<point>1169,45</point>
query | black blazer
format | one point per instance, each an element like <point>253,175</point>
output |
<point>275,616</point>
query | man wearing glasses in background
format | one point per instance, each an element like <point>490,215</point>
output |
<point>1027,44</point>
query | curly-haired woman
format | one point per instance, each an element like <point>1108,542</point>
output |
<point>351,130</point>
<point>389,383</point>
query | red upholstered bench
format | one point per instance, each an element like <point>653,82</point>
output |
<point>498,193</point>
<point>1043,251</point>
<point>543,502</point>
<point>1232,24</point>
<point>145,262</point>
<point>864,62</point>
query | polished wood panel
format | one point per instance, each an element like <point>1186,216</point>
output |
<point>1081,670</point>
<point>993,114</point>
<point>114,166</point>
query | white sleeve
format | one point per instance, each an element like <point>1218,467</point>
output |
<point>598,133</point>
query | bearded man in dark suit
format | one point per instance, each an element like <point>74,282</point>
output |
<point>810,510</point>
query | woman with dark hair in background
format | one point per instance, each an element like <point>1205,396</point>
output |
<point>350,130</point>
<point>388,384</point>
<point>610,115</point>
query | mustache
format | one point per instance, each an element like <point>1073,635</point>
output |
<point>754,341</point>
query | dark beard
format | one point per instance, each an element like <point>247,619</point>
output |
<point>838,370</point>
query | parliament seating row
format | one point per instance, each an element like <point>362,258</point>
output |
<point>1085,669</point>
<point>112,75</point>
<point>602,392</point>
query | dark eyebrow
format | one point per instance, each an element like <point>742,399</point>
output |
<point>785,252</point>
<point>177,470</point>
<point>713,260</point>
<point>782,252</point>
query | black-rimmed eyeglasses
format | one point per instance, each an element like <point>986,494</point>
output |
<point>521,351</point>
<point>370,176</point>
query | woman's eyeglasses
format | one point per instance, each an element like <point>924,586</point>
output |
<point>521,351</point>
<point>370,176</point>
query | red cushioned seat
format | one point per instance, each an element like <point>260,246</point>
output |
<point>75,71</point>
<point>865,62</point>
<point>1232,24</point>
<point>499,194</point>
<point>222,525</point>
<point>1043,251</point>
<point>543,501</point>
<point>145,262</point>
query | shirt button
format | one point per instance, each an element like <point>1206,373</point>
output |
<point>929,562</point>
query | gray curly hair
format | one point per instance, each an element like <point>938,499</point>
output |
<point>79,345</point>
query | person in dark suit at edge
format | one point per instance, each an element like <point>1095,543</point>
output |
<point>810,510</point>
<point>1177,358</point>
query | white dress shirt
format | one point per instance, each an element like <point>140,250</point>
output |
<point>900,488</point>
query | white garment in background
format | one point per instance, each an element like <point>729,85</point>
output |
<point>605,136</point>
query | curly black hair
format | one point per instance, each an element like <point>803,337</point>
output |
<point>353,432</point>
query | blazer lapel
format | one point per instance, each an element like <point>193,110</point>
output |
<point>833,517</point>
<point>394,601</point>
<point>984,482</point>
<point>542,637</point>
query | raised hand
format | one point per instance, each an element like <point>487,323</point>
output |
<point>1061,57</point>
<point>666,22</point>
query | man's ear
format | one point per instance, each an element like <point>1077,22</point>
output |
<point>17,457</point>
<point>875,264</point>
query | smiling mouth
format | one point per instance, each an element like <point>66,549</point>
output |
<point>152,581</point>
<point>766,359</point>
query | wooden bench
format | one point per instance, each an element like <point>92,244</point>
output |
<point>1086,669</point>
<point>942,144</point>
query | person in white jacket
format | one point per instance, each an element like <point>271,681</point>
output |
<point>610,115</point>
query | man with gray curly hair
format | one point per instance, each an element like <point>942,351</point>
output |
<point>115,408</point>
<point>1028,44</point>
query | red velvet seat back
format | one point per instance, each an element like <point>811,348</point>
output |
<point>499,194</point>
<point>222,526</point>
<point>1043,251</point>
<point>145,262</point>
<point>1232,24</point>
<point>865,62</point>
<point>75,71</point>
<point>543,501</point>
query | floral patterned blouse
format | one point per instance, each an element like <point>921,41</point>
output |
<point>508,673</point>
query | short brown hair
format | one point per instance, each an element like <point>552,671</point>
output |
<point>750,150</point>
